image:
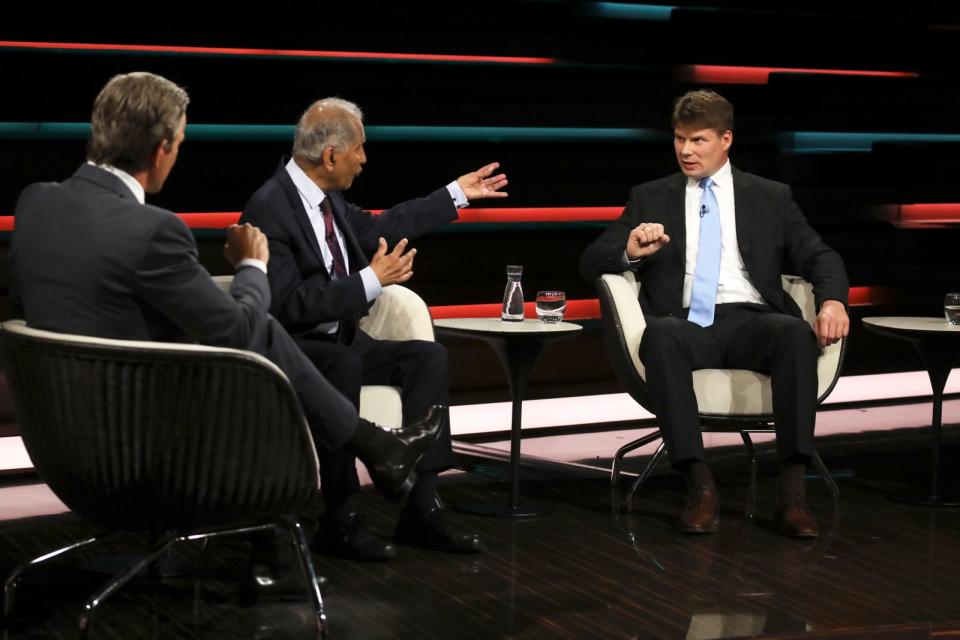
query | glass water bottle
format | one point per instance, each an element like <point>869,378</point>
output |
<point>513,296</point>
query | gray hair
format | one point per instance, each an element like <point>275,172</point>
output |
<point>132,115</point>
<point>325,123</point>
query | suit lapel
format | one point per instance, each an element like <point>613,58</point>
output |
<point>299,213</point>
<point>745,206</point>
<point>677,217</point>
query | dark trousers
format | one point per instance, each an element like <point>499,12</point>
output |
<point>743,336</point>
<point>331,417</point>
<point>418,367</point>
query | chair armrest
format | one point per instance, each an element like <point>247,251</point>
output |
<point>399,314</point>
<point>622,291</point>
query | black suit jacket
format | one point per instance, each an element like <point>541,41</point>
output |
<point>304,295</point>
<point>89,259</point>
<point>772,233</point>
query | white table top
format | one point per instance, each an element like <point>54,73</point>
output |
<point>913,324</point>
<point>498,326</point>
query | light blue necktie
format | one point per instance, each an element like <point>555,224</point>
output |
<point>704,296</point>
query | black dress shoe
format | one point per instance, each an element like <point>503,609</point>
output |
<point>263,583</point>
<point>429,531</point>
<point>390,456</point>
<point>350,539</point>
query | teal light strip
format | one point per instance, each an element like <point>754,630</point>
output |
<point>834,141</point>
<point>377,133</point>
<point>628,11</point>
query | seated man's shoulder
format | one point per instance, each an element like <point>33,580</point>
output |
<point>658,185</point>
<point>760,181</point>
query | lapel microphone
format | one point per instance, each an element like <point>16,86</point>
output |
<point>703,210</point>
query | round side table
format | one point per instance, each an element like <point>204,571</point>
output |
<point>517,345</point>
<point>937,343</point>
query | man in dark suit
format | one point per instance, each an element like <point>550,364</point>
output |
<point>330,262</point>
<point>89,257</point>
<point>708,248</point>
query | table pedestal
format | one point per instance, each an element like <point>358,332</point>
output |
<point>938,356</point>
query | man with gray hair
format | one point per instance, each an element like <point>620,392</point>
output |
<point>90,257</point>
<point>331,259</point>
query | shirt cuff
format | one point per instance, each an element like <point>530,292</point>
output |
<point>459,197</point>
<point>627,262</point>
<point>252,262</point>
<point>371,284</point>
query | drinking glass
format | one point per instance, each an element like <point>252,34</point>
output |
<point>951,308</point>
<point>551,305</point>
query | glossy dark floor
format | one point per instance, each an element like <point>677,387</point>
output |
<point>583,569</point>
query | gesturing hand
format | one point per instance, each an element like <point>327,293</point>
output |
<point>394,267</point>
<point>646,239</point>
<point>832,323</point>
<point>480,184</point>
<point>245,241</point>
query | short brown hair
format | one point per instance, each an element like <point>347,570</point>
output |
<point>132,114</point>
<point>704,109</point>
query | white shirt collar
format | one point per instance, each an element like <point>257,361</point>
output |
<point>723,177</point>
<point>308,189</point>
<point>135,187</point>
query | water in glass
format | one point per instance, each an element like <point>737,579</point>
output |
<point>551,306</point>
<point>951,308</point>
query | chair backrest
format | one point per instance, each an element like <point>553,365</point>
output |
<point>624,325</point>
<point>152,436</point>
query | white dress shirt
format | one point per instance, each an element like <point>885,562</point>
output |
<point>734,284</point>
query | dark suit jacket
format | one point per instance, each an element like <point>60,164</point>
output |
<point>304,295</point>
<point>89,259</point>
<point>772,234</point>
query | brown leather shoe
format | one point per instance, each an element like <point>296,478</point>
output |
<point>701,514</point>
<point>793,517</point>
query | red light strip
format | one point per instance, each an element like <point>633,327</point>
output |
<point>576,310</point>
<point>720,74</point>
<point>930,212</point>
<point>870,296</point>
<point>300,53</point>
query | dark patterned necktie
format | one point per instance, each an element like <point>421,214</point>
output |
<point>339,266</point>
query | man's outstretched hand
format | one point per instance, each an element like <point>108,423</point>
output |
<point>483,184</point>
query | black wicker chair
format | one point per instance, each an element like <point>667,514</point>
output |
<point>179,441</point>
<point>729,400</point>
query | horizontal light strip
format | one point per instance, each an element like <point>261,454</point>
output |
<point>273,53</point>
<point>832,141</point>
<point>720,74</point>
<point>576,310</point>
<point>375,133</point>
<point>930,212</point>
<point>871,296</point>
<point>629,11</point>
<point>222,220</point>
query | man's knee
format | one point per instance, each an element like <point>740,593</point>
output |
<point>663,336</point>
<point>345,372</point>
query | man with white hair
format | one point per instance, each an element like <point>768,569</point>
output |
<point>330,259</point>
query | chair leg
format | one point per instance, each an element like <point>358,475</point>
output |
<point>647,470</point>
<point>13,579</point>
<point>624,450</point>
<point>303,547</point>
<point>120,579</point>
<point>827,477</point>
<point>752,495</point>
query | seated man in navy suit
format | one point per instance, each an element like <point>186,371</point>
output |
<point>708,246</point>
<point>90,257</point>
<point>330,262</point>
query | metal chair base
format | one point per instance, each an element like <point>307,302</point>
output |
<point>617,465</point>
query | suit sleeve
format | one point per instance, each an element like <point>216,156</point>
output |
<point>172,281</point>
<point>606,253</point>
<point>409,219</point>
<point>812,257</point>
<point>302,300</point>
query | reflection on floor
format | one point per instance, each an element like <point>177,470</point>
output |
<point>584,569</point>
